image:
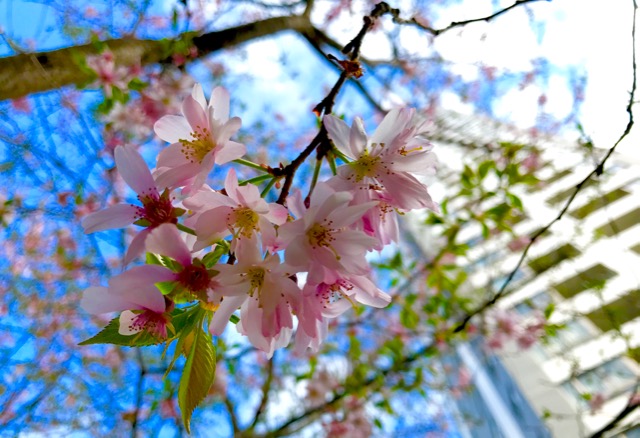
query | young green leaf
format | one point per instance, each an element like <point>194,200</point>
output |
<point>197,376</point>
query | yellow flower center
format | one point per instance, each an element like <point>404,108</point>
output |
<point>256,279</point>
<point>246,221</point>
<point>365,166</point>
<point>319,236</point>
<point>199,145</point>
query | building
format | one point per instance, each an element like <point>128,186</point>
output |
<point>586,268</point>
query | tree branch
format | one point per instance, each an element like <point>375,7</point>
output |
<point>25,74</point>
<point>455,24</point>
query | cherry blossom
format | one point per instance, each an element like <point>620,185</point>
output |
<point>242,213</point>
<point>109,75</point>
<point>265,293</point>
<point>320,241</point>
<point>322,301</point>
<point>199,138</point>
<point>388,161</point>
<point>156,208</point>
<point>148,303</point>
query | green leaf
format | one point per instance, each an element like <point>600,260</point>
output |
<point>211,258</point>
<point>483,170</point>
<point>197,376</point>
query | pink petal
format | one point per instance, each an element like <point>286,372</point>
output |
<point>248,252</point>
<point>231,184</point>
<point>230,151</point>
<point>195,114</point>
<point>171,156</point>
<point>229,128</point>
<point>139,277</point>
<point>172,128</point>
<point>220,103</point>
<point>97,300</point>
<point>277,214</point>
<point>338,132</point>
<point>392,125</point>
<point>136,247</point>
<point>126,327</point>
<point>176,177</point>
<point>212,225</point>
<point>165,239</point>
<point>147,297</point>
<point>221,316</point>
<point>134,170</point>
<point>115,216</point>
<point>346,216</point>
<point>198,95</point>
<point>407,192</point>
<point>357,138</point>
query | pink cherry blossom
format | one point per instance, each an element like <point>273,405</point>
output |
<point>320,241</point>
<point>322,301</point>
<point>148,301</point>
<point>156,209</point>
<point>109,75</point>
<point>199,138</point>
<point>265,293</point>
<point>388,161</point>
<point>242,213</point>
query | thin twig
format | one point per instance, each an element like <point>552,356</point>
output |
<point>436,32</point>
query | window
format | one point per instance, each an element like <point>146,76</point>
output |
<point>619,225</point>
<point>594,277</point>
<point>547,261</point>
<point>572,334</point>
<point>596,204</point>
<point>539,301</point>
<point>614,314</point>
<point>609,379</point>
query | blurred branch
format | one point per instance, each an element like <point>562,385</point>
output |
<point>139,391</point>
<point>266,388</point>
<point>24,74</point>
<point>631,406</point>
<point>455,24</point>
<point>377,377</point>
<point>597,171</point>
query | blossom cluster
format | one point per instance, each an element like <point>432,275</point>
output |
<point>229,249</point>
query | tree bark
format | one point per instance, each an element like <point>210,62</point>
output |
<point>28,73</point>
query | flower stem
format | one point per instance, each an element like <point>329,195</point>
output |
<point>255,180</point>
<point>251,164</point>
<point>186,229</point>
<point>268,187</point>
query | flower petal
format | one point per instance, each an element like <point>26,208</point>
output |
<point>198,94</point>
<point>392,125</point>
<point>195,115</point>
<point>97,300</point>
<point>134,170</point>
<point>115,216</point>
<point>220,103</point>
<point>172,128</point>
<point>221,317</point>
<point>165,239</point>
<point>136,247</point>
<point>338,132</point>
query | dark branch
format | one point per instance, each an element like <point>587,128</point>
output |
<point>455,24</point>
